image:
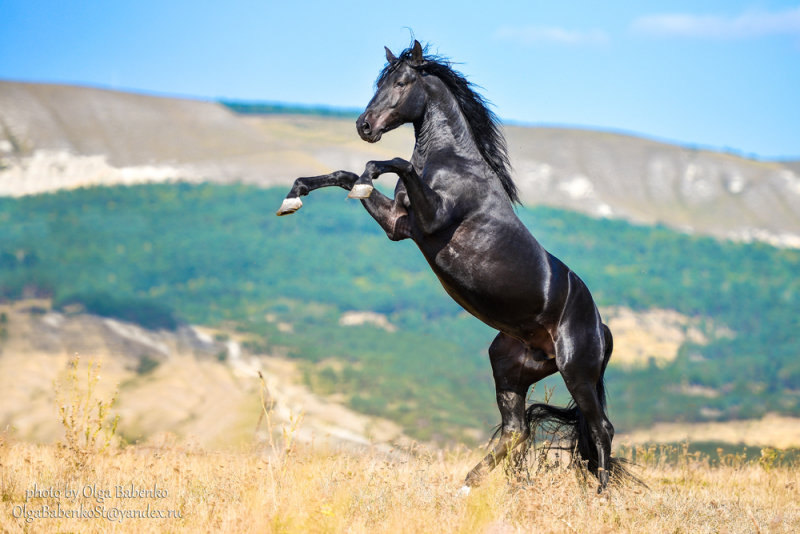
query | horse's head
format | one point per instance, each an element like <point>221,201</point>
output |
<point>400,97</point>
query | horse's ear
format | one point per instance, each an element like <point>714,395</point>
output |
<point>416,52</point>
<point>389,56</point>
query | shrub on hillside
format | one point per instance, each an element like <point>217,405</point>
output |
<point>146,313</point>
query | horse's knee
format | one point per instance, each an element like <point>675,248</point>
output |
<point>372,169</point>
<point>403,165</point>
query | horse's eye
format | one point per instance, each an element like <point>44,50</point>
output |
<point>400,85</point>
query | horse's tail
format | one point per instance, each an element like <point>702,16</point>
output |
<point>569,426</point>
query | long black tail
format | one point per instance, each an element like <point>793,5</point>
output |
<point>569,427</point>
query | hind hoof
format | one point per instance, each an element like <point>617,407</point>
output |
<point>289,205</point>
<point>360,191</point>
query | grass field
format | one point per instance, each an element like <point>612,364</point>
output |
<point>89,483</point>
<point>307,490</point>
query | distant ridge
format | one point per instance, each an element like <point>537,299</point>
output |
<point>59,136</point>
<point>245,107</point>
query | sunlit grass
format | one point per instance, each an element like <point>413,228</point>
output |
<point>280,485</point>
<point>311,490</point>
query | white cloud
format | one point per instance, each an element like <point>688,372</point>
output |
<point>528,35</point>
<point>750,24</point>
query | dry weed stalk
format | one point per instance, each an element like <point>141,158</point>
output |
<point>283,450</point>
<point>88,427</point>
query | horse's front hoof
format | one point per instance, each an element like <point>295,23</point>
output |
<point>360,191</point>
<point>289,205</point>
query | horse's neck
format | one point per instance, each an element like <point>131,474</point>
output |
<point>443,127</point>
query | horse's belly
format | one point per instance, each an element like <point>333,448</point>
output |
<point>514,305</point>
<point>491,272</point>
<point>500,275</point>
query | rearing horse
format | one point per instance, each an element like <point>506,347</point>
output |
<point>455,200</point>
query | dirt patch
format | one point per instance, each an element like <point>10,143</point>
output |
<point>356,318</point>
<point>771,431</point>
<point>655,334</point>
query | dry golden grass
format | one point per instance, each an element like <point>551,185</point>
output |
<point>316,491</point>
<point>94,485</point>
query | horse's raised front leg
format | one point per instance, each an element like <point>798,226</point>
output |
<point>303,186</point>
<point>514,369</point>
<point>432,211</point>
<point>389,213</point>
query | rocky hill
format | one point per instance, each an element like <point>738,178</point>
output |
<point>54,136</point>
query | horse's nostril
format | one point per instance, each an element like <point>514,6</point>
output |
<point>365,127</point>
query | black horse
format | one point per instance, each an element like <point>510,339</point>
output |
<point>455,199</point>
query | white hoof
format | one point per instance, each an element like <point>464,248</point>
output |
<point>464,491</point>
<point>289,205</point>
<point>360,191</point>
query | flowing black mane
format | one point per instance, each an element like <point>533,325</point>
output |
<point>482,121</point>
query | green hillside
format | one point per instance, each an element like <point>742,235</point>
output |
<point>279,108</point>
<point>208,254</point>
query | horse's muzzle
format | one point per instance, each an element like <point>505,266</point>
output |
<point>365,130</point>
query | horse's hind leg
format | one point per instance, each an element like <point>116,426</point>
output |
<point>514,371</point>
<point>581,364</point>
<point>303,186</point>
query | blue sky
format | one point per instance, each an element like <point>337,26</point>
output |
<point>718,74</point>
